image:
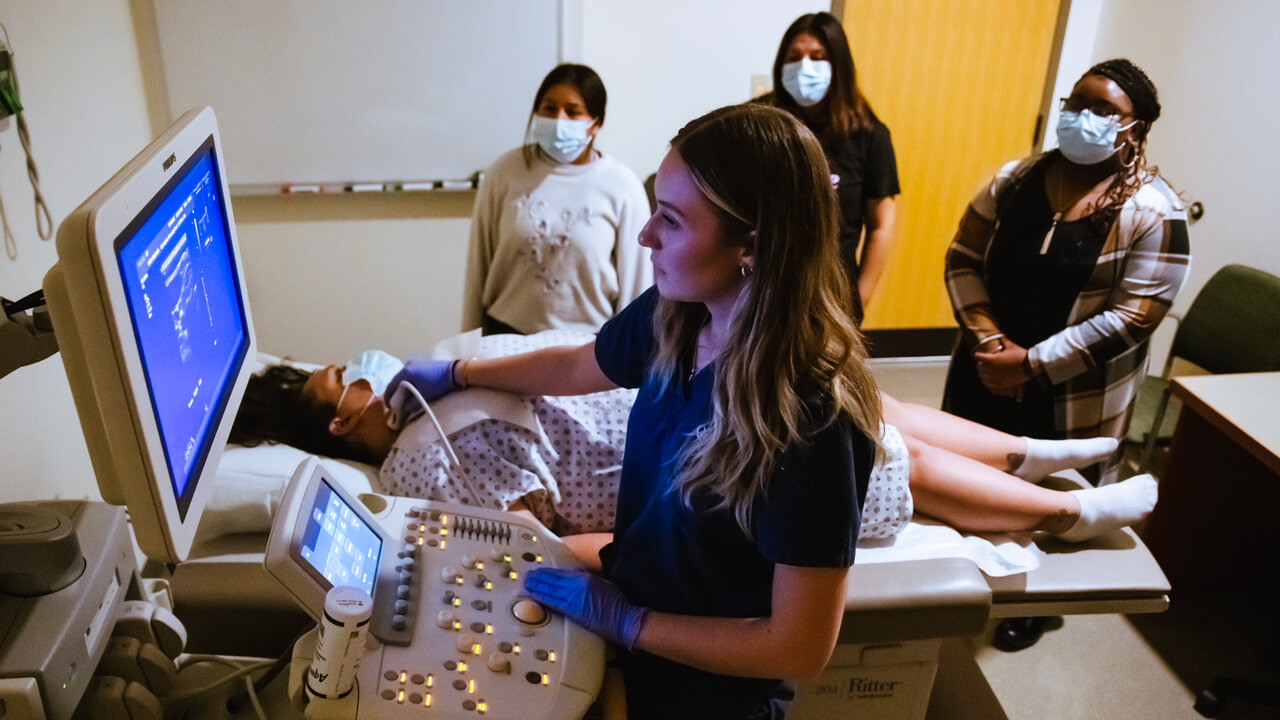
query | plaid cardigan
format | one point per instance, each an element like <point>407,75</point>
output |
<point>1097,362</point>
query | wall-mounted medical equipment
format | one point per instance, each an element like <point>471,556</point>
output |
<point>454,632</point>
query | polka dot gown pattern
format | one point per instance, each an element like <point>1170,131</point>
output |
<point>888,506</point>
<point>566,472</point>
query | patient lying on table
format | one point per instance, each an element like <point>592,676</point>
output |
<point>564,466</point>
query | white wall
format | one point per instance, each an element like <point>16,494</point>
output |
<point>78,68</point>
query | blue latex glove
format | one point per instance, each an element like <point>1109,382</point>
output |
<point>432,378</point>
<point>590,601</point>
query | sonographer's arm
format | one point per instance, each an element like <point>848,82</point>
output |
<point>562,370</point>
<point>586,548</point>
<point>794,643</point>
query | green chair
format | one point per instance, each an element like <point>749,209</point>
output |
<point>1232,326</point>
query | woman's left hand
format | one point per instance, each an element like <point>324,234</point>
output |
<point>1003,371</point>
<point>589,600</point>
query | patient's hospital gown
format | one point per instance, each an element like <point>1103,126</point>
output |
<point>566,470</point>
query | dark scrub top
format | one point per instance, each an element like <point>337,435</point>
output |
<point>697,561</point>
<point>865,168</point>
<point>1031,297</point>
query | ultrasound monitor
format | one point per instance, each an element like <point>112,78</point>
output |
<point>149,309</point>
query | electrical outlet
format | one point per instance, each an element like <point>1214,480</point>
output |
<point>761,84</point>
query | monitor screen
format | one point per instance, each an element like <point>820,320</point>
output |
<point>152,318</point>
<point>337,544</point>
<point>187,313</point>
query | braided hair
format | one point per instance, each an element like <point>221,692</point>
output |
<point>1135,171</point>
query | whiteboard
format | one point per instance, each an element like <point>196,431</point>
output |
<point>325,92</point>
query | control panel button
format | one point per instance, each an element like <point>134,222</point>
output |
<point>499,663</point>
<point>450,574</point>
<point>444,619</point>
<point>465,643</point>
<point>469,561</point>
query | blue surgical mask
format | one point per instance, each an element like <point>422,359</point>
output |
<point>373,366</point>
<point>807,81</point>
<point>1088,139</point>
<point>561,138</point>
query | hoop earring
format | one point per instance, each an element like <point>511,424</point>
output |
<point>1133,155</point>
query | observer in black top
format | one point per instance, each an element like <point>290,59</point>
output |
<point>814,78</point>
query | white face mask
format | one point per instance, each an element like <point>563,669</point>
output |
<point>807,80</point>
<point>374,366</point>
<point>562,139</point>
<point>1088,139</point>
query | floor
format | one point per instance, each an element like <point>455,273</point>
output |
<point>1102,666</point>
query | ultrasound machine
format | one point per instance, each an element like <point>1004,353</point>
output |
<point>149,306</point>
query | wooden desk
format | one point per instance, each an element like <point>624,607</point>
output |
<point>1216,522</point>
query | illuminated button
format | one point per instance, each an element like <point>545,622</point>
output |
<point>497,555</point>
<point>389,675</point>
<point>415,698</point>
<point>465,643</point>
<point>459,684</point>
<point>444,619</point>
<point>479,605</point>
<point>504,646</point>
<point>449,595</point>
<point>477,627</point>
<point>450,574</point>
<point>499,663</point>
<point>533,678</point>
<point>417,679</point>
<point>529,557</point>
<point>527,537</point>
<point>432,542</point>
<point>450,665</point>
<point>388,694</point>
<point>468,704</point>
<point>434,515</point>
<point>469,560</point>
<point>540,654</point>
<point>481,580</point>
<point>411,526</point>
<point>529,612</point>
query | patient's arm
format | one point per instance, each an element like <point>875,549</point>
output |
<point>586,548</point>
<point>563,370</point>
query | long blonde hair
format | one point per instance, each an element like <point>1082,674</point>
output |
<point>792,360</point>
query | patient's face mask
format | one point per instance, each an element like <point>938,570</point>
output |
<point>561,138</point>
<point>1087,139</point>
<point>807,81</point>
<point>376,367</point>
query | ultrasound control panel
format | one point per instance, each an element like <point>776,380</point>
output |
<point>456,635</point>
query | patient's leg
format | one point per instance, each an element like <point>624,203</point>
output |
<point>972,496</point>
<point>1028,458</point>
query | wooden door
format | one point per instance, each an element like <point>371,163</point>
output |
<point>960,83</point>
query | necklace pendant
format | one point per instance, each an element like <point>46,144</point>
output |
<point>1048,237</point>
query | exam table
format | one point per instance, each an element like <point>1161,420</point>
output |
<point>898,611</point>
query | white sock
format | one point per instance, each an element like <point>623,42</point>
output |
<point>1045,457</point>
<point>1106,508</point>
